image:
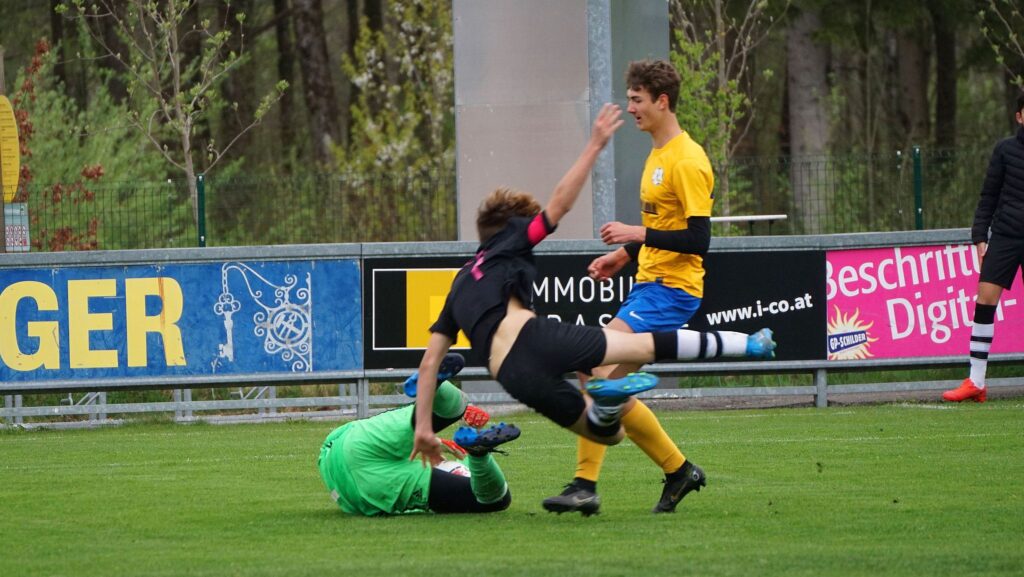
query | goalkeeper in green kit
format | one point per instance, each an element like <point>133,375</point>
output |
<point>366,467</point>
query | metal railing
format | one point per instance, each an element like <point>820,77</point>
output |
<point>355,399</point>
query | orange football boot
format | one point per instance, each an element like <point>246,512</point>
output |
<point>965,392</point>
<point>475,416</point>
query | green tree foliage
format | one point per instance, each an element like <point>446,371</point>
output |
<point>395,179</point>
<point>1002,22</point>
<point>402,135</point>
<point>173,93</point>
<point>708,109</point>
<point>404,75</point>
<point>712,48</point>
<point>77,159</point>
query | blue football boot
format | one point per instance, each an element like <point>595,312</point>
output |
<point>451,365</point>
<point>615,390</point>
<point>760,345</point>
<point>479,443</point>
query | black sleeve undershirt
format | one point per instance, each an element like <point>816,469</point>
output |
<point>695,239</point>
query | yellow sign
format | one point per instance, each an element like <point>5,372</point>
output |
<point>423,304</point>
<point>10,158</point>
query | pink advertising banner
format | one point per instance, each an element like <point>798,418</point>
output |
<point>912,302</point>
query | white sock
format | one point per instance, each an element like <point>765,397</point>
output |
<point>981,342</point>
<point>604,415</point>
<point>701,345</point>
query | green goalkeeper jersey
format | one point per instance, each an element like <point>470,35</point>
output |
<point>365,464</point>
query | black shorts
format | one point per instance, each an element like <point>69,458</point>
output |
<point>534,370</point>
<point>1004,257</point>
<point>454,494</point>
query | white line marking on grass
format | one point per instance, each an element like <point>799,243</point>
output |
<point>847,439</point>
<point>777,414</point>
<point>158,463</point>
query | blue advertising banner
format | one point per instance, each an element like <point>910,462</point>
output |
<point>180,320</point>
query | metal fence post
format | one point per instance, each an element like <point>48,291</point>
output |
<point>186,395</point>
<point>176,399</point>
<point>918,191</point>
<point>201,201</point>
<point>821,388</point>
<point>13,402</point>
<point>363,398</point>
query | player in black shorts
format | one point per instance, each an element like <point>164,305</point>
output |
<point>491,300</point>
<point>1001,211</point>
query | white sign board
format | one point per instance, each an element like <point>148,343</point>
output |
<point>16,227</point>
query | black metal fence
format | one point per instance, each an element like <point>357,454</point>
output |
<point>327,208</point>
<point>855,193</point>
<point>836,194</point>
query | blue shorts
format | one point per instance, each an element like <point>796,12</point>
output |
<point>652,306</point>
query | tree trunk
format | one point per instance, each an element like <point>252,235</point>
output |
<point>316,78</point>
<point>69,68</point>
<point>286,72</point>
<point>913,72</point>
<point>945,77</point>
<point>807,88</point>
<point>1013,90</point>
<point>723,127</point>
<point>107,30</point>
<point>238,87</point>
<point>237,90</point>
<point>57,40</point>
<point>190,49</point>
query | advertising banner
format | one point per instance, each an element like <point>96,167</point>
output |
<point>180,319</point>
<point>907,302</point>
<point>16,227</point>
<point>404,296</point>
<point>781,290</point>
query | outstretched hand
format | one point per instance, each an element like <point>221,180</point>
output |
<point>606,266</point>
<point>620,233</point>
<point>568,188</point>
<point>427,447</point>
<point>607,122</point>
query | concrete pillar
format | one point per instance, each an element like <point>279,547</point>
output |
<point>529,77</point>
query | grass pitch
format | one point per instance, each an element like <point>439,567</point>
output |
<point>909,489</point>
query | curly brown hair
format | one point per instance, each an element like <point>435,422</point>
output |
<point>657,77</point>
<point>501,205</point>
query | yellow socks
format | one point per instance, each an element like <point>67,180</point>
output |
<point>645,432</point>
<point>589,456</point>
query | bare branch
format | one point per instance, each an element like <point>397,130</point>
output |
<point>1012,37</point>
<point>170,93</point>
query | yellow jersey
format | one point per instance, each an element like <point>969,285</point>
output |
<point>677,183</point>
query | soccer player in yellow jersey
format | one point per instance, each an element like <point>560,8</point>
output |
<point>675,203</point>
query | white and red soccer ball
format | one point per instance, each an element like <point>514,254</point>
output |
<point>454,467</point>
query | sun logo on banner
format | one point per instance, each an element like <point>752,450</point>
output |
<point>848,337</point>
